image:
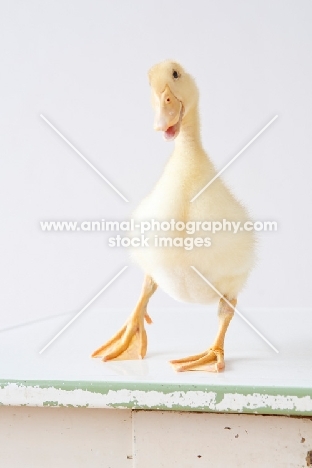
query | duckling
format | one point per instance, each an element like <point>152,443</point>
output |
<point>226,261</point>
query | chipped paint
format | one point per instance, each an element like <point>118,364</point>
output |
<point>155,396</point>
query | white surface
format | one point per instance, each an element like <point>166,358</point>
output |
<point>174,333</point>
<point>84,65</point>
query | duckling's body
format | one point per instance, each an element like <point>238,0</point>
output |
<point>226,263</point>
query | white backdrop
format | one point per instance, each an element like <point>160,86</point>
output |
<point>84,66</point>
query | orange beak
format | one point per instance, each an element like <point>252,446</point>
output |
<point>168,110</point>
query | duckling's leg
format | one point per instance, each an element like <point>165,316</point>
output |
<point>131,340</point>
<point>211,360</point>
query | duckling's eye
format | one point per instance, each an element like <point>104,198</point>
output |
<point>175,74</point>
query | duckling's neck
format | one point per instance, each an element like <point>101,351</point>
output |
<point>189,136</point>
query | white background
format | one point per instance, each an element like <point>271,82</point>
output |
<point>84,66</point>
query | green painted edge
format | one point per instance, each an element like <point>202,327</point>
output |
<point>103,387</point>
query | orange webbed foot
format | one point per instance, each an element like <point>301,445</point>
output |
<point>211,360</point>
<point>130,342</point>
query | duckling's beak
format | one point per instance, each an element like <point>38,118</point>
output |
<point>168,114</point>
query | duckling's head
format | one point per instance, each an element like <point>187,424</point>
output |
<point>174,95</point>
